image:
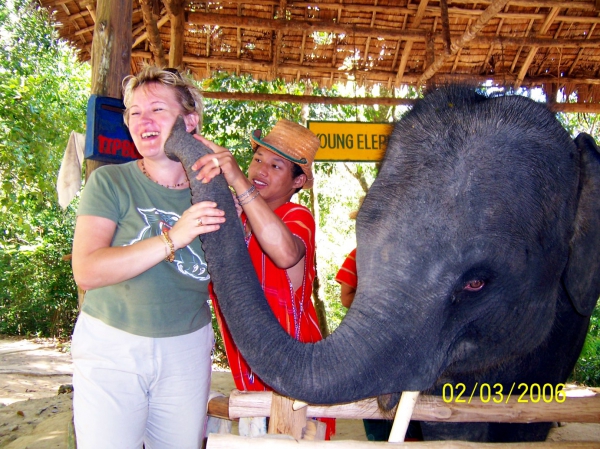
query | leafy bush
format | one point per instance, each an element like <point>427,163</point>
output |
<point>39,297</point>
<point>43,95</point>
<point>587,369</point>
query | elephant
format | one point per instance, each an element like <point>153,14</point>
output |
<point>477,263</point>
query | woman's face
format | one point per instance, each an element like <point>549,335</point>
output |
<point>152,114</point>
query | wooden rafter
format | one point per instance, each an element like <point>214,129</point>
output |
<point>153,33</point>
<point>445,25</point>
<point>468,36</point>
<point>384,101</point>
<point>551,44</point>
<point>408,46</point>
<point>176,12</point>
<point>144,35</point>
<point>580,52</point>
<point>533,50</point>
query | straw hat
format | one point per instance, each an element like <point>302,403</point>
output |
<point>292,141</point>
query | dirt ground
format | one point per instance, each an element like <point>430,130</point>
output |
<point>34,416</point>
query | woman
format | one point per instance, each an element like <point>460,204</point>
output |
<point>142,343</point>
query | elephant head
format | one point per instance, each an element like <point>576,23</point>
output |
<point>478,235</point>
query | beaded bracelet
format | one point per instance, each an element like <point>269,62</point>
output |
<point>246,193</point>
<point>248,201</point>
<point>165,236</point>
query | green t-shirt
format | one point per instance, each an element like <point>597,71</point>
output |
<point>167,300</point>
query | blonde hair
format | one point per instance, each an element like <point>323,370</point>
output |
<point>187,93</point>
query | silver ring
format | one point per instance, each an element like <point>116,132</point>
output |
<point>199,222</point>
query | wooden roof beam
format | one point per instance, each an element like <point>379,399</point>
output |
<point>175,10</point>
<point>299,25</point>
<point>410,9</point>
<point>412,79</point>
<point>408,46</point>
<point>388,33</point>
<point>153,33</point>
<point>518,54</point>
<point>384,101</point>
<point>580,52</point>
<point>486,61</point>
<point>533,50</point>
<point>164,19</point>
<point>457,12</point>
<point>90,6</point>
<point>587,6</point>
<point>446,26</point>
<point>238,35</point>
<point>368,43</point>
<point>490,12</point>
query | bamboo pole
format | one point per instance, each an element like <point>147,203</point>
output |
<point>384,101</point>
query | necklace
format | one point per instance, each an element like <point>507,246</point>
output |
<point>153,180</point>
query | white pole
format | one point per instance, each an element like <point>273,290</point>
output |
<point>403,415</point>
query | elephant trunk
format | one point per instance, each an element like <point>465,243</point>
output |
<point>330,371</point>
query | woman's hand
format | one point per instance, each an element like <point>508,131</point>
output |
<point>201,218</point>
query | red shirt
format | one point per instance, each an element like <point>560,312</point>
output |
<point>294,310</point>
<point>347,272</point>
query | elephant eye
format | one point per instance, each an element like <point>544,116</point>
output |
<point>474,285</point>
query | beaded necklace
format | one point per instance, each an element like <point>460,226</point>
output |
<point>153,180</point>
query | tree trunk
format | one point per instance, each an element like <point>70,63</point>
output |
<point>110,61</point>
<point>319,304</point>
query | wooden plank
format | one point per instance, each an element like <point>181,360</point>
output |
<point>284,419</point>
<point>224,441</point>
<point>219,408</point>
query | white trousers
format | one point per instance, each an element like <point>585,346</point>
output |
<point>130,390</point>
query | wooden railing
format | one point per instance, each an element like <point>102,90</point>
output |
<point>580,405</point>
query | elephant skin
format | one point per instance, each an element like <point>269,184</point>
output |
<point>477,263</point>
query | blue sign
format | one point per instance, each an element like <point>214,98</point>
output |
<point>107,138</point>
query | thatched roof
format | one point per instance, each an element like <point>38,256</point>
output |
<point>554,44</point>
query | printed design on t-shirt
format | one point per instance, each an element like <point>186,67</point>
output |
<point>186,260</point>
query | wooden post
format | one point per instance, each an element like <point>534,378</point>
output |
<point>284,419</point>
<point>110,60</point>
<point>111,52</point>
<point>404,412</point>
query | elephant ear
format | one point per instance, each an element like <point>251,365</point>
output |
<point>581,277</point>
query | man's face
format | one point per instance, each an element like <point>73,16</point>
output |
<point>271,174</point>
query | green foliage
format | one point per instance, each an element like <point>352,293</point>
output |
<point>230,123</point>
<point>43,95</point>
<point>39,296</point>
<point>581,123</point>
<point>587,369</point>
